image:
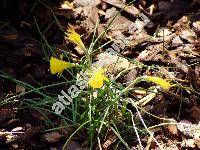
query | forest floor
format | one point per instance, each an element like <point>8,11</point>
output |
<point>145,95</point>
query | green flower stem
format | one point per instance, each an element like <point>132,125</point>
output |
<point>88,57</point>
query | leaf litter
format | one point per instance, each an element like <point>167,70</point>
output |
<point>167,47</point>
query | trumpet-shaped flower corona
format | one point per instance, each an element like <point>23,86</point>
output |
<point>57,66</point>
<point>75,38</point>
<point>97,79</point>
<point>161,82</point>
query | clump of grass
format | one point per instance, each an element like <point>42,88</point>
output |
<point>100,107</point>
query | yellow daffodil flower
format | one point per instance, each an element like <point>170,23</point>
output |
<point>161,82</point>
<point>75,38</point>
<point>57,66</point>
<point>97,79</point>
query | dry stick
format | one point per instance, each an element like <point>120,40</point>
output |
<point>129,9</point>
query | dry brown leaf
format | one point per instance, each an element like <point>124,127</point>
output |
<point>177,41</point>
<point>188,35</point>
<point>188,143</point>
<point>164,5</point>
<point>83,3</point>
<point>52,136</point>
<point>172,147</point>
<point>131,76</point>
<point>148,98</point>
<point>37,114</point>
<point>6,114</point>
<point>91,14</point>
<point>20,89</point>
<point>172,128</point>
<point>196,25</point>
<point>117,64</point>
<point>187,128</point>
<point>120,23</point>
<point>151,53</point>
<point>197,136</point>
<point>109,141</point>
<point>79,50</point>
<point>17,129</point>
<point>195,113</point>
<point>110,13</point>
<point>67,5</point>
<point>31,136</point>
<point>119,4</point>
<point>183,23</point>
<point>164,32</point>
<point>72,145</point>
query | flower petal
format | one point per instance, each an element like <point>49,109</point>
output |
<point>57,66</point>
<point>96,81</point>
<point>163,83</point>
<point>75,38</point>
